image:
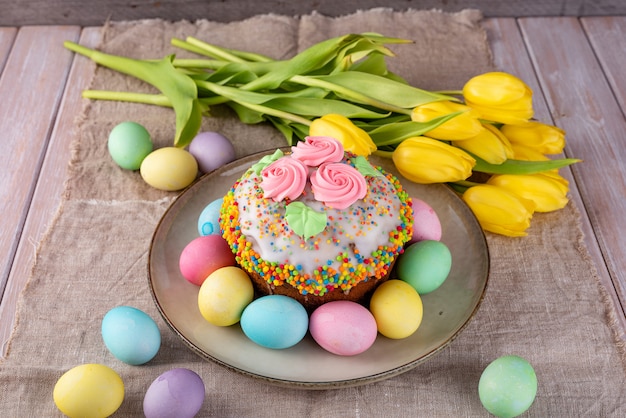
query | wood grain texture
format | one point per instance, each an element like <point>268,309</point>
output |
<point>608,38</point>
<point>49,185</point>
<point>7,35</point>
<point>96,12</point>
<point>510,55</point>
<point>582,102</point>
<point>31,87</point>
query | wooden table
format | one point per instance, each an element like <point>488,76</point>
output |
<point>574,65</point>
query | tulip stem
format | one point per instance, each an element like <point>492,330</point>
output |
<point>153,99</point>
<point>466,183</point>
<point>450,92</point>
<point>384,154</point>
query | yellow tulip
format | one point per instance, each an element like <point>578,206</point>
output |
<point>524,153</point>
<point>499,210</point>
<point>499,97</point>
<point>489,144</point>
<point>426,160</point>
<point>547,190</point>
<point>353,138</point>
<point>462,126</point>
<point>546,139</point>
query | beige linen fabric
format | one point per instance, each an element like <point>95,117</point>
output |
<point>95,256</point>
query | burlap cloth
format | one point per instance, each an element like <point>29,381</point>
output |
<point>544,301</point>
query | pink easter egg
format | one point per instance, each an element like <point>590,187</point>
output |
<point>343,327</point>
<point>426,225</point>
<point>203,256</point>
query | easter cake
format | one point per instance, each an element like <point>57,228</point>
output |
<point>317,224</point>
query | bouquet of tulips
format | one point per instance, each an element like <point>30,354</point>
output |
<point>481,140</point>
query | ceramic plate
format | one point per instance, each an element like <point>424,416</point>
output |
<point>447,310</point>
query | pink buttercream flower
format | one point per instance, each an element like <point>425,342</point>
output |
<point>284,178</point>
<point>315,150</point>
<point>338,185</point>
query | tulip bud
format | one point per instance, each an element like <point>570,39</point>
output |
<point>523,153</point>
<point>499,97</point>
<point>499,210</point>
<point>426,160</point>
<point>547,190</point>
<point>546,139</point>
<point>353,138</point>
<point>462,126</point>
<point>489,144</point>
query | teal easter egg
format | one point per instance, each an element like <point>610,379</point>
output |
<point>275,321</point>
<point>131,335</point>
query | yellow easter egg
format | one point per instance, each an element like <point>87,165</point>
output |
<point>397,309</point>
<point>169,169</point>
<point>90,391</point>
<point>224,295</point>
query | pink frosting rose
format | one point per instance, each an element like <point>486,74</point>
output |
<point>338,185</point>
<point>315,150</point>
<point>284,178</point>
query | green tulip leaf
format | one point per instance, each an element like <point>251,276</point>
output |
<point>312,107</point>
<point>179,88</point>
<point>246,115</point>
<point>379,88</point>
<point>521,167</point>
<point>322,58</point>
<point>306,61</point>
<point>395,132</point>
<point>303,220</point>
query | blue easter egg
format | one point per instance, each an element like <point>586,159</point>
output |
<point>275,321</point>
<point>131,335</point>
<point>208,221</point>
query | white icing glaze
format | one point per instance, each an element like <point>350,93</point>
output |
<point>363,227</point>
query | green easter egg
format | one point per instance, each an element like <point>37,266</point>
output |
<point>508,386</point>
<point>425,265</point>
<point>129,143</point>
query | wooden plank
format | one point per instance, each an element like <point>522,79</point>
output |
<point>96,12</point>
<point>32,83</point>
<point>608,38</point>
<point>507,45</point>
<point>582,102</point>
<point>7,35</point>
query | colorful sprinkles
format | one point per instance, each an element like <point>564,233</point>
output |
<point>246,218</point>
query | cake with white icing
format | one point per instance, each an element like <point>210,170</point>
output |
<point>317,223</point>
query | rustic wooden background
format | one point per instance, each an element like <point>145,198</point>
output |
<point>96,12</point>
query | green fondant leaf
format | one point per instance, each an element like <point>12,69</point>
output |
<point>303,220</point>
<point>265,161</point>
<point>364,167</point>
